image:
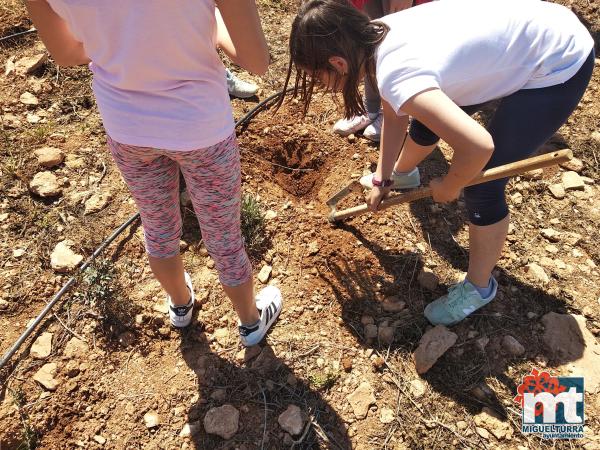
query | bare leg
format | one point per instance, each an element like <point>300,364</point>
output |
<point>411,155</point>
<point>242,297</point>
<point>485,247</point>
<point>169,272</point>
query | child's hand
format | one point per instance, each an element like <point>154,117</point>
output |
<point>442,192</point>
<point>376,195</point>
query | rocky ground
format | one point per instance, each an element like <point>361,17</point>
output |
<point>352,363</point>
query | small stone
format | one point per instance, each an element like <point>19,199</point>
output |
<point>393,304</point>
<point>347,363</point>
<point>45,184</point>
<point>432,346</point>
<point>247,354</point>
<point>361,399</point>
<point>537,273</point>
<point>49,156</point>
<point>482,342</point>
<point>351,138</point>
<point>75,348</point>
<point>96,203</point>
<point>27,98</point>
<point>183,245</point>
<point>387,415</point>
<point>292,420</point>
<point>386,335</point>
<point>428,279</point>
<point>461,425</point>
<point>33,118</point>
<point>100,439</point>
<point>512,346</point>
<point>3,305</point>
<point>42,347</point>
<point>222,421</point>
<point>266,362</point>
<point>534,174</point>
<point>30,64</point>
<point>18,252</point>
<point>482,432</point>
<point>366,320</point>
<point>417,388</point>
<point>270,214</point>
<point>63,259</point>
<point>557,191</point>
<point>210,263</point>
<point>219,395</point>
<point>45,376</point>
<point>185,199</point>
<point>551,234</point>
<point>265,274</point>
<point>378,363</point>
<point>574,164</point>
<point>572,181</point>
<point>152,419</point>
<point>11,121</point>
<point>370,331</point>
<point>221,336</point>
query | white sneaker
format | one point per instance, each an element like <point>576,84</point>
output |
<point>373,131</point>
<point>345,127</point>
<point>408,180</point>
<point>269,303</point>
<point>239,88</point>
<point>181,316</point>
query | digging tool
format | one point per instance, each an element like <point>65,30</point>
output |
<point>495,173</point>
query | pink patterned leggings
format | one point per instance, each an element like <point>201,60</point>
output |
<point>213,180</point>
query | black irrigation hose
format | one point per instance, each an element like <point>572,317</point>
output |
<point>246,118</point>
<point>16,35</point>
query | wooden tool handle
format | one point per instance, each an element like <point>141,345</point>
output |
<point>495,173</point>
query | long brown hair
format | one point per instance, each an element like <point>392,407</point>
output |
<point>326,28</point>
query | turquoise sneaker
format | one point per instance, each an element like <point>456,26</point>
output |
<point>462,300</point>
<point>404,181</point>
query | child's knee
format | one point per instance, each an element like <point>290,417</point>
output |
<point>421,134</point>
<point>486,203</point>
<point>161,246</point>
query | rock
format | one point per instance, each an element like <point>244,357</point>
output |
<point>551,234</point>
<point>247,354</point>
<point>534,174</point>
<point>393,304</point>
<point>461,425</point>
<point>270,214</point>
<point>370,331</point>
<point>557,191</point>
<point>347,363</point>
<point>42,347</point>
<point>96,203</point>
<point>161,307</point>
<point>18,252</point>
<point>221,336</point>
<point>361,399</point>
<point>45,184</point>
<point>572,181</point>
<point>152,419</point>
<point>27,98</point>
<point>190,429</point>
<point>574,164</point>
<point>30,64</point>
<point>49,156</point>
<point>74,162</point>
<point>292,420</point>
<point>387,415</point>
<point>537,273</point>
<point>386,335</point>
<point>265,274</point>
<point>266,362</point>
<point>313,248</point>
<point>489,420</point>
<point>432,346</point>
<point>428,279</point>
<point>483,433</point>
<point>482,342</point>
<point>3,305</point>
<point>512,346</point>
<point>596,137</point>
<point>219,395</point>
<point>99,439</point>
<point>571,344</point>
<point>76,348</point>
<point>63,259</point>
<point>185,199</point>
<point>45,376</point>
<point>222,421</point>
<point>417,388</point>
<point>366,320</point>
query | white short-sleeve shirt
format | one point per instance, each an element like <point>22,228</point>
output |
<point>479,50</point>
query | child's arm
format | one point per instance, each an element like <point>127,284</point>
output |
<point>56,36</point>
<point>472,144</point>
<point>240,35</point>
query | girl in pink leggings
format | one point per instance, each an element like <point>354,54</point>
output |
<point>159,86</point>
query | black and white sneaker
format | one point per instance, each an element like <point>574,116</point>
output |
<point>181,316</point>
<point>269,303</point>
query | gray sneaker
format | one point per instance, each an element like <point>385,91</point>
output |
<point>404,181</point>
<point>239,88</point>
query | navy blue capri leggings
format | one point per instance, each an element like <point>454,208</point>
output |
<point>522,123</point>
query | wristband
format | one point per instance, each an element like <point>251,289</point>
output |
<point>382,183</point>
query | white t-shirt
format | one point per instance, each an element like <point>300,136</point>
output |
<point>479,50</point>
<point>158,79</point>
